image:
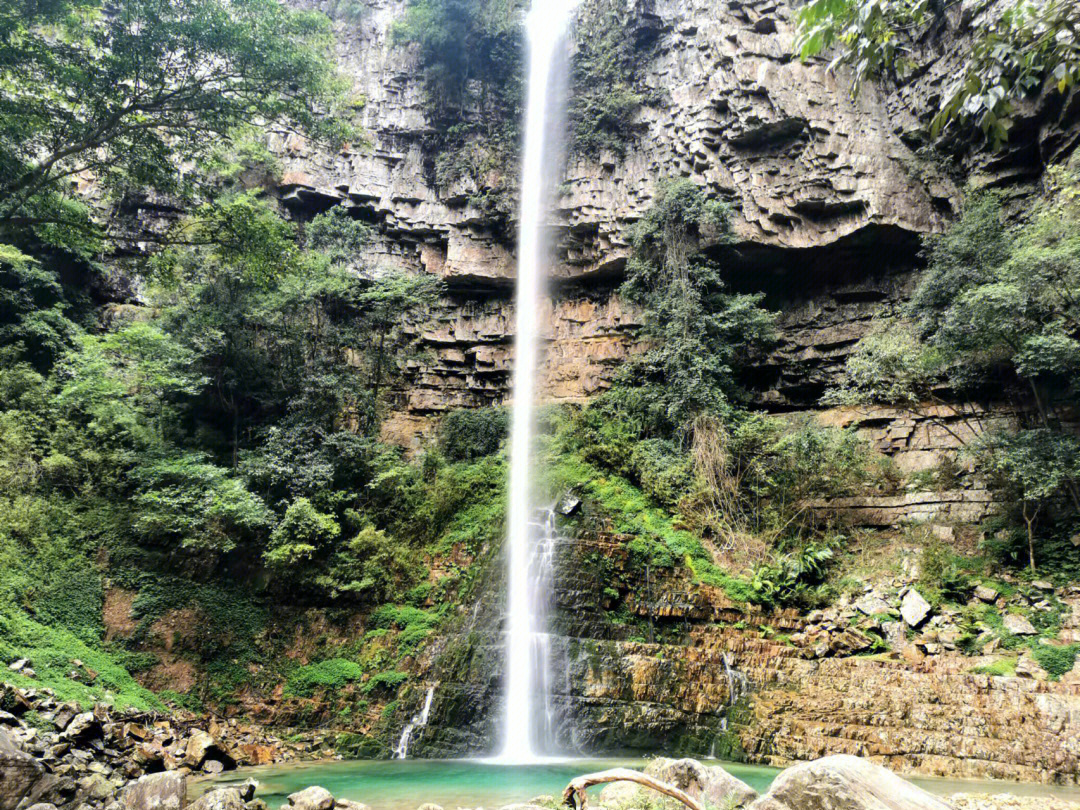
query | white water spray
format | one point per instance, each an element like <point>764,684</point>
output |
<point>547,23</point>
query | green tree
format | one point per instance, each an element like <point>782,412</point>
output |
<point>698,337</point>
<point>127,93</point>
<point>1036,466</point>
<point>302,533</point>
<point>471,52</point>
<point>996,315</point>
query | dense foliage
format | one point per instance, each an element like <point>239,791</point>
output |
<point>995,317</point>
<point>673,436</point>
<point>1018,49</point>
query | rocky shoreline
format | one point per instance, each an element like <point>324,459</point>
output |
<point>55,757</point>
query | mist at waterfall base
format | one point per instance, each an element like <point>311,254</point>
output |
<point>526,719</point>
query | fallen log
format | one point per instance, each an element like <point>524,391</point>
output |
<point>575,797</point>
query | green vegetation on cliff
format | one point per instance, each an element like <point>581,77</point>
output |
<point>995,319</point>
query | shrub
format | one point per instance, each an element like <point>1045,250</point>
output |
<point>1005,667</point>
<point>387,682</point>
<point>300,535</point>
<point>1057,661</point>
<point>330,674</point>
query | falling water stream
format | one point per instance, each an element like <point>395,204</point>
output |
<point>547,24</point>
<point>401,750</point>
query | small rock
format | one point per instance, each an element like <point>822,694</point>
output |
<point>1043,585</point>
<point>872,605</point>
<point>914,608</point>
<point>569,504</point>
<point>247,789</point>
<point>1018,625</point>
<point>197,747</point>
<point>1028,667</point>
<point>83,726</point>
<point>212,766</point>
<point>19,666</point>
<point>985,594</point>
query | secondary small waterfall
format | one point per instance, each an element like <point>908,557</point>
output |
<point>401,750</point>
<point>547,24</point>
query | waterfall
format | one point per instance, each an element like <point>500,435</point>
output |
<point>547,23</point>
<point>401,750</point>
<point>737,682</point>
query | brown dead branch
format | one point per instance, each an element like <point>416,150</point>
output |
<point>575,797</point>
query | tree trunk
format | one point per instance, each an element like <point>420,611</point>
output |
<point>575,797</point>
<point>1030,521</point>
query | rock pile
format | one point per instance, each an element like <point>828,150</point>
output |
<point>53,755</point>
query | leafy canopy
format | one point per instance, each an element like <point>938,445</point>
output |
<point>124,95</point>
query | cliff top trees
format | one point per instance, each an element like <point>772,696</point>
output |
<point>1015,52</point>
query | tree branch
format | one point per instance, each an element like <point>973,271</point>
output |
<point>575,797</point>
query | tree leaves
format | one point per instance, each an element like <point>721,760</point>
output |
<point>1029,46</point>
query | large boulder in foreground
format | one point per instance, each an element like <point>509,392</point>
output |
<point>312,798</point>
<point>157,791</point>
<point>709,784</point>
<point>844,783</point>
<point>19,772</point>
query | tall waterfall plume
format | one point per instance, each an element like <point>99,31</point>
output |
<point>547,25</point>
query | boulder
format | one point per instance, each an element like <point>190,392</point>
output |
<point>220,799</point>
<point>844,782</point>
<point>198,745</point>
<point>345,804</point>
<point>312,798</point>
<point>711,785</point>
<point>96,787</point>
<point>156,791</point>
<point>985,594</point>
<point>212,766</point>
<point>914,608</point>
<point>18,772</point>
<point>247,789</point>
<point>1018,625</point>
<point>84,726</point>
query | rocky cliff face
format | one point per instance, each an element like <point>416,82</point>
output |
<point>820,183</point>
